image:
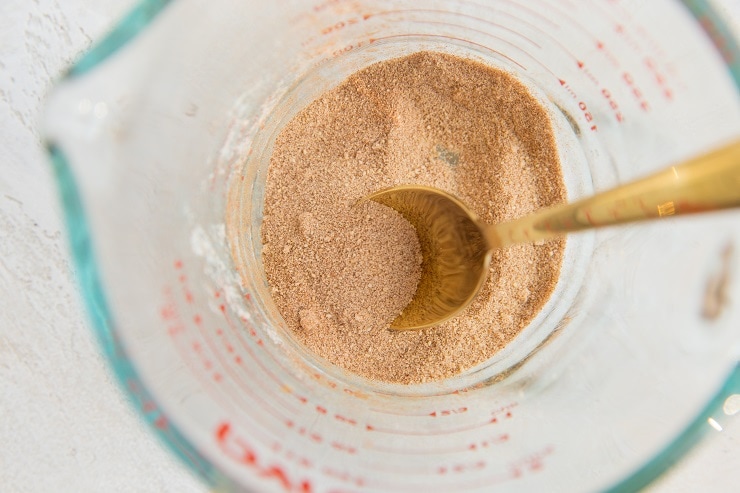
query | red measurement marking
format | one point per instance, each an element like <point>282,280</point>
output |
<point>567,88</point>
<point>238,331</point>
<point>346,49</point>
<point>259,428</point>
<point>161,422</point>
<point>422,451</point>
<point>266,404</point>
<point>532,463</point>
<point>505,410</point>
<point>432,432</point>
<point>170,315</point>
<point>343,476</point>
<point>613,104</point>
<point>490,442</point>
<point>148,406</point>
<point>302,431</point>
<point>458,468</point>
<point>344,448</point>
<point>635,90</point>
<point>345,420</point>
<point>587,115</point>
<point>660,79</point>
<point>601,46</point>
<point>622,31</point>
<point>183,278</point>
<point>178,264</point>
<point>448,412</point>
<point>587,72</point>
<point>168,312</point>
<point>355,393</point>
<point>237,449</point>
<point>338,26</point>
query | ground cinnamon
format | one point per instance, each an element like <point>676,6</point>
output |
<point>341,272</point>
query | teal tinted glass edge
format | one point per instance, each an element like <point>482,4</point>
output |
<point>102,321</point>
<point>127,29</point>
<point>684,442</point>
<point>719,33</point>
<point>727,45</point>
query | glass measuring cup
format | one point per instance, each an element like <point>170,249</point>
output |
<point>163,132</point>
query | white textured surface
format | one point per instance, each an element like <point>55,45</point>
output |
<point>64,423</point>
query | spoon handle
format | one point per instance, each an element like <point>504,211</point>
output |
<point>705,183</point>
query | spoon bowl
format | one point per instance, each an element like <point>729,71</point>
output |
<point>456,253</point>
<point>456,246</point>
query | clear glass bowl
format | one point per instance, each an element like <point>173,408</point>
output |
<point>160,138</point>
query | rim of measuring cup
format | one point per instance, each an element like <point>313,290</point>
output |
<point>105,328</point>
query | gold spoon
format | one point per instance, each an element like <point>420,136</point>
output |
<point>456,246</point>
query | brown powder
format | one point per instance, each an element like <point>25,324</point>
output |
<point>340,272</point>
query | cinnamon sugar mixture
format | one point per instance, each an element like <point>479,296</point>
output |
<point>340,272</point>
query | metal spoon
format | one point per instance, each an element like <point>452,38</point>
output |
<point>456,246</point>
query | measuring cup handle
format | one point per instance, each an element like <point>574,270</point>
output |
<point>705,183</point>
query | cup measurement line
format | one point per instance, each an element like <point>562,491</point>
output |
<point>257,430</point>
<point>471,447</point>
<point>458,14</point>
<point>531,12</point>
<point>237,377</point>
<point>644,34</point>
<point>237,332</point>
<point>648,59</point>
<point>219,359</point>
<point>227,404</point>
<point>292,410</point>
<point>498,12</point>
<point>449,431</point>
<point>496,479</point>
<point>454,38</point>
<point>401,469</point>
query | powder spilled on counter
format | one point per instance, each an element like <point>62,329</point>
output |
<point>340,272</point>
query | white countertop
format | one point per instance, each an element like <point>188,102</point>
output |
<point>64,423</point>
